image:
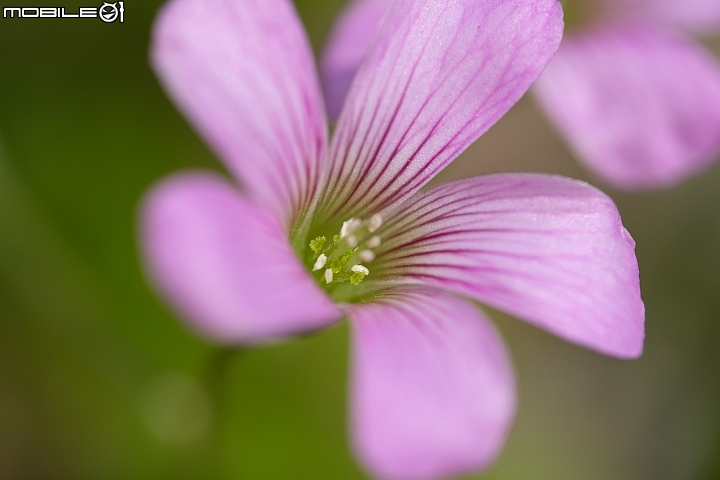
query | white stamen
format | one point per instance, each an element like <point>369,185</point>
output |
<point>328,275</point>
<point>374,242</point>
<point>360,268</point>
<point>367,256</point>
<point>349,227</point>
<point>375,222</point>
<point>344,228</point>
<point>351,241</point>
<point>320,262</point>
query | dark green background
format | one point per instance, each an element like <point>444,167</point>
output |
<point>89,357</point>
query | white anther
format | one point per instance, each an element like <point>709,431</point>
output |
<point>349,227</point>
<point>375,222</point>
<point>374,242</point>
<point>351,241</point>
<point>320,262</point>
<point>345,227</point>
<point>360,269</point>
<point>367,256</point>
<point>328,275</point>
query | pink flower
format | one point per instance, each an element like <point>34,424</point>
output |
<point>637,101</point>
<point>317,233</point>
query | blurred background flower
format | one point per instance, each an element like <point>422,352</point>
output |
<point>87,353</point>
<point>633,96</point>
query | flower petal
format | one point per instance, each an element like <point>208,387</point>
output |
<point>438,75</point>
<point>243,73</point>
<point>698,15</point>
<point>225,264</point>
<point>550,250</point>
<point>349,40</point>
<point>640,107</point>
<point>432,389</point>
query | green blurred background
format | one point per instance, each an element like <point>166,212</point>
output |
<point>99,381</point>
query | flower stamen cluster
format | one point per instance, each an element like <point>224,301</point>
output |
<point>342,258</point>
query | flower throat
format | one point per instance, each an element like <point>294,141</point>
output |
<point>342,259</point>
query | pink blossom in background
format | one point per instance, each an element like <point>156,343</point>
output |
<point>636,100</point>
<point>312,231</point>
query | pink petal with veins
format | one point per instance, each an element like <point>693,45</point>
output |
<point>244,74</point>
<point>226,265</point>
<point>433,393</point>
<point>437,76</point>
<point>549,250</point>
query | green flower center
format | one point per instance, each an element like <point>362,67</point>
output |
<point>342,260</point>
